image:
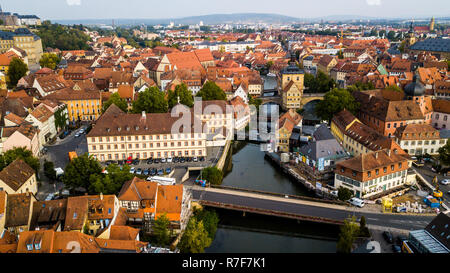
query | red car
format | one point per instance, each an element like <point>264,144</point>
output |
<point>129,160</point>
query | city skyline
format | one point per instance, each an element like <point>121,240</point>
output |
<point>140,9</point>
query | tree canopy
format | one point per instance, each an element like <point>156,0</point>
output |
<point>17,69</point>
<point>110,182</point>
<point>79,171</point>
<point>161,230</point>
<point>49,60</point>
<point>22,153</point>
<point>349,231</point>
<point>182,92</point>
<point>195,238</point>
<point>151,101</point>
<point>336,101</point>
<point>117,100</point>
<point>211,91</point>
<point>344,194</point>
<point>444,154</point>
<point>320,84</point>
<point>63,37</point>
<point>213,175</point>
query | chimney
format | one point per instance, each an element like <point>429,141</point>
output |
<point>101,196</point>
<point>144,116</point>
<point>376,154</point>
<point>389,152</point>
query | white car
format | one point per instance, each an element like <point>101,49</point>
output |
<point>50,197</point>
<point>356,202</point>
<point>132,170</point>
<point>195,159</point>
<point>77,135</point>
<point>163,160</point>
<point>169,160</point>
<point>445,182</point>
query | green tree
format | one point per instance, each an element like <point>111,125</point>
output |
<point>210,220</point>
<point>181,92</point>
<point>269,64</point>
<point>49,60</point>
<point>79,171</point>
<point>195,238</point>
<point>336,101</point>
<point>63,37</point>
<point>344,194</point>
<point>111,182</point>
<point>213,175</point>
<point>349,231</point>
<point>49,170</point>
<point>61,118</point>
<point>211,91</point>
<point>254,101</point>
<point>21,152</point>
<point>151,101</point>
<point>117,100</point>
<point>161,230</point>
<point>320,84</point>
<point>17,69</point>
<point>444,154</point>
<point>402,47</point>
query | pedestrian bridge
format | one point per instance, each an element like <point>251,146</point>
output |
<point>300,207</point>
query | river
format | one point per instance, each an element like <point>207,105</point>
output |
<point>264,234</point>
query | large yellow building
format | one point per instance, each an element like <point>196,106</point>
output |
<point>81,105</point>
<point>24,39</point>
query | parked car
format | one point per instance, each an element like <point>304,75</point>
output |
<point>156,161</point>
<point>139,171</point>
<point>163,160</point>
<point>132,170</point>
<point>182,160</point>
<point>189,159</point>
<point>50,197</point>
<point>448,192</point>
<point>168,170</point>
<point>160,172</point>
<point>396,249</point>
<point>445,182</point>
<point>150,160</point>
<point>153,171</point>
<point>136,162</point>
<point>202,158</point>
<point>400,240</point>
<point>388,237</point>
<point>176,160</point>
<point>356,202</point>
<point>77,135</point>
<point>169,160</point>
<point>195,159</point>
<point>146,172</point>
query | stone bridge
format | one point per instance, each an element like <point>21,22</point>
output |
<point>307,97</point>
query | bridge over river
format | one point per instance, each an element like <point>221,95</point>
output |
<point>303,208</point>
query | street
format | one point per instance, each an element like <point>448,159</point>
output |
<point>426,172</point>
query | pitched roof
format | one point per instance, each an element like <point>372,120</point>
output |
<point>372,160</point>
<point>77,209</point>
<point>18,209</point>
<point>123,233</point>
<point>16,174</point>
<point>41,113</point>
<point>169,201</point>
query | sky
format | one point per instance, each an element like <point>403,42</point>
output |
<point>157,9</point>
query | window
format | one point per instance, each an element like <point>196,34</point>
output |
<point>385,170</point>
<point>392,167</point>
<point>369,174</point>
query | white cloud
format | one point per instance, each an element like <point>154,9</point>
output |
<point>73,2</point>
<point>373,2</point>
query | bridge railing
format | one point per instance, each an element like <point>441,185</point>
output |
<point>305,198</point>
<point>271,212</point>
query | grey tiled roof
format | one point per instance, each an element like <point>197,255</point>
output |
<point>436,44</point>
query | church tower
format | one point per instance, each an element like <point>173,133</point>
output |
<point>432,24</point>
<point>411,36</point>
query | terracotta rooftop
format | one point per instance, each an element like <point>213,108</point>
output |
<point>16,174</point>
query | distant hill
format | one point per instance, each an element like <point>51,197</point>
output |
<point>207,19</point>
<point>227,18</point>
